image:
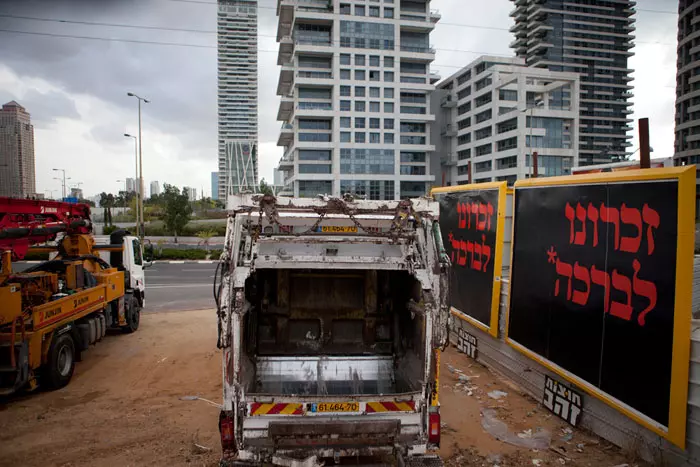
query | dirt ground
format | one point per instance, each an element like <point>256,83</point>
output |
<point>124,408</point>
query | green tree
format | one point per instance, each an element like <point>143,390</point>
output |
<point>107,202</point>
<point>205,237</point>
<point>177,209</point>
<point>265,189</point>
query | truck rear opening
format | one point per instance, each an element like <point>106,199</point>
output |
<point>333,333</point>
<point>331,318</point>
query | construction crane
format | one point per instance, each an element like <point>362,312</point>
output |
<point>53,311</point>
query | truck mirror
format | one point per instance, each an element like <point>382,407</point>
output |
<point>148,253</point>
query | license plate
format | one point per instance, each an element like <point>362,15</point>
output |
<point>338,229</point>
<point>336,407</point>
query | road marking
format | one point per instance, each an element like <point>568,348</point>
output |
<point>33,262</point>
<point>205,262</point>
<point>171,286</point>
<point>176,262</point>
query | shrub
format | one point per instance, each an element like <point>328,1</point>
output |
<point>174,253</point>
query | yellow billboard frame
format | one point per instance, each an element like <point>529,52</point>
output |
<point>685,247</point>
<point>502,187</point>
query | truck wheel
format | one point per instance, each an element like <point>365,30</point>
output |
<point>61,362</point>
<point>133,316</point>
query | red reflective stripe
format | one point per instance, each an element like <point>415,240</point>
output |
<point>254,406</point>
<point>390,406</point>
<point>298,411</point>
<point>369,409</point>
<point>277,408</point>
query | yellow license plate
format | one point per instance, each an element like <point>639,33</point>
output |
<point>338,229</point>
<point>336,407</point>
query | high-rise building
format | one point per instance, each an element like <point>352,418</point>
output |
<point>131,186</point>
<point>493,114</point>
<point>155,188</point>
<point>687,144</point>
<point>237,26</point>
<point>76,193</point>
<point>593,39</point>
<point>17,171</point>
<point>191,192</point>
<point>215,185</point>
<point>355,85</point>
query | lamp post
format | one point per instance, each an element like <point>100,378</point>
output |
<point>63,184</point>
<point>140,193</point>
<point>136,169</point>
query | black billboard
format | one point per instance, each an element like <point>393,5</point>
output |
<point>593,286</point>
<point>472,235</point>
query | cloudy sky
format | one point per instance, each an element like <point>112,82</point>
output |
<point>75,87</point>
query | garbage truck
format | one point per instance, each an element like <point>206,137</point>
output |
<point>332,315</point>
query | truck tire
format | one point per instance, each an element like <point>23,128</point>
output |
<point>133,316</point>
<point>60,364</point>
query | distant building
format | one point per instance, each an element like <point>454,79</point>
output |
<point>237,26</point>
<point>215,185</point>
<point>495,112</point>
<point>76,193</point>
<point>191,193</point>
<point>17,170</point>
<point>130,185</point>
<point>155,188</point>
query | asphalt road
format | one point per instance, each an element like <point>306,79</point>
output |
<point>179,287</point>
<point>172,287</point>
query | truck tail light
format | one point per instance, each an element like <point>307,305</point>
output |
<point>227,435</point>
<point>434,428</point>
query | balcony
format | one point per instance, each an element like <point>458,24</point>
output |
<point>286,135</point>
<point>449,159</point>
<point>286,80</point>
<point>286,50</point>
<point>434,77</point>
<point>448,102</point>
<point>286,107</point>
<point>435,16</point>
<point>449,130</point>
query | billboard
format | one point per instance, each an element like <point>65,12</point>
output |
<point>471,221</point>
<point>600,292</point>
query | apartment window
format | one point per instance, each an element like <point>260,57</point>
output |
<point>506,95</point>
<point>345,122</point>
<point>359,10</point>
<point>389,76</point>
<point>464,93</point>
<point>345,59</point>
<point>314,168</point>
<point>374,123</point>
<point>482,166</point>
<point>374,60</point>
<point>464,108</point>
<point>464,154</point>
<point>388,12</point>
<point>483,116</point>
<point>345,91</point>
<point>313,155</point>
<point>359,60</point>
<point>315,137</point>
<point>388,138</point>
<point>412,170</point>
<point>463,170</point>
<point>345,9</point>
<point>374,11</point>
<point>375,138</point>
<point>464,139</point>
<point>374,92</point>
<point>389,107</point>
<point>360,75</point>
<point>482,133</point>
<point>345,106</point>
<point>413,98</point>
<point>412,157</point>
<point>388,62</point>
<point>388,93</point>
<point>344,136</point>
<point>483,150</point>
<point>362,35</point>
<point>314,124</point>
<point>359,122</point>
<point>345,74</point>
<point>359,136</point>
<point>507,162</point>
<point>412,139</point>
<point>464,77</point>
<point>464,123</point>
<point>482,83</point>
<point>407,109</point>
<point>314,93</point>
<point>388,123</point>
<point>375,75</point>
<point>374,106</point>
<point>483,99</point>
<point>359,91</point>
<point>411,127</point>
<point>312,188</point>
<point>360,106</point>
<point>508,125</point>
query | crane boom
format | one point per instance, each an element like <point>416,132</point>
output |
<point>26,222</point>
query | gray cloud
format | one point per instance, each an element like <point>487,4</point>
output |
<point>45,108</point>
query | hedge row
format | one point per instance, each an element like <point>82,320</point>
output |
<point>190,230</point>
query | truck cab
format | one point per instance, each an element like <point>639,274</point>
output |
<point>332,316</point>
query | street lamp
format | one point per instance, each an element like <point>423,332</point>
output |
<point>63,185</point>
<point>136,170</point>
<point>140,193</point>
